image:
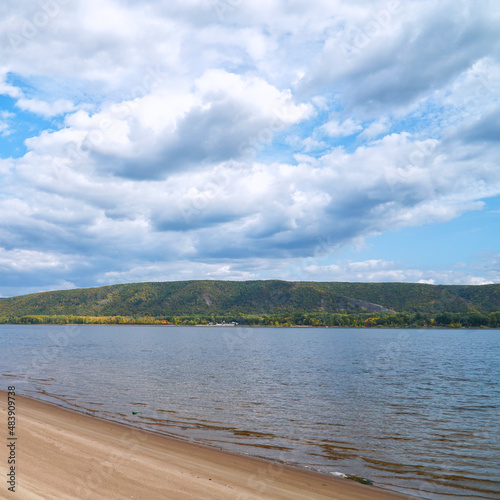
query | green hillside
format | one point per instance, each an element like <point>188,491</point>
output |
<point>223,298</point>
<point>416,297</point>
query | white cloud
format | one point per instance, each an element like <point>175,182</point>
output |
<point>306,145</point>
<point>336,129</point>
<point>5,166</point>
<point>31,261</point>
<point>5,118</point>
<point>311,144</point>
<point>276,209</point>
<point>46,109</point>
<point>238,212</point>
<point>224,116</point>
<point>180,270</point>
<point>385,68</point>
<point>381,271</point>
<point>375,129</point>
<point>201,146</point>
<point>9,90</point>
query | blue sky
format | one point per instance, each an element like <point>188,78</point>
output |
<point>214,139</point>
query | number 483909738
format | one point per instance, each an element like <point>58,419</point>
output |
<point>11,410</point>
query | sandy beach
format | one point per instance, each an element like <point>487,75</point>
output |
<point>62,454</point>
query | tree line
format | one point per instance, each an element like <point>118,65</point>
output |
<point>318,319</point>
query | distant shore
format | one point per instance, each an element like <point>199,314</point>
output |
<point>61,453</point>
<point>228,325</point>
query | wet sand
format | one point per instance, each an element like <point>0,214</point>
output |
<point>63,454</point>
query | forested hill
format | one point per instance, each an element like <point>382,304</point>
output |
<point>225,298</point>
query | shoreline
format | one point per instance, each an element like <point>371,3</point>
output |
<point>63,453</point>
<point>385,327</point>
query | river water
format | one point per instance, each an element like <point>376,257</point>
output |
<point>417,411</point>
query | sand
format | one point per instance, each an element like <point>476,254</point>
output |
<point>63,454</point>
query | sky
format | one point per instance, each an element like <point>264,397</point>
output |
<point>318,140</point>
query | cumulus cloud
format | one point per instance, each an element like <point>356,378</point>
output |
<point>225,116</point>
<point>46,109</point>
<point>382,271</point>
<point>375,128</point>
<point>189,142</point>
<point>29,260</point>
<point>336,129</point>
<point>5,118</point>
<point>7,89</point>
<point>422,47</point>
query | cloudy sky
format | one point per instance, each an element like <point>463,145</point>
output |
<point>347,140</point>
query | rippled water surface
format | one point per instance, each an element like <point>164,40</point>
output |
<point>414,410</point>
